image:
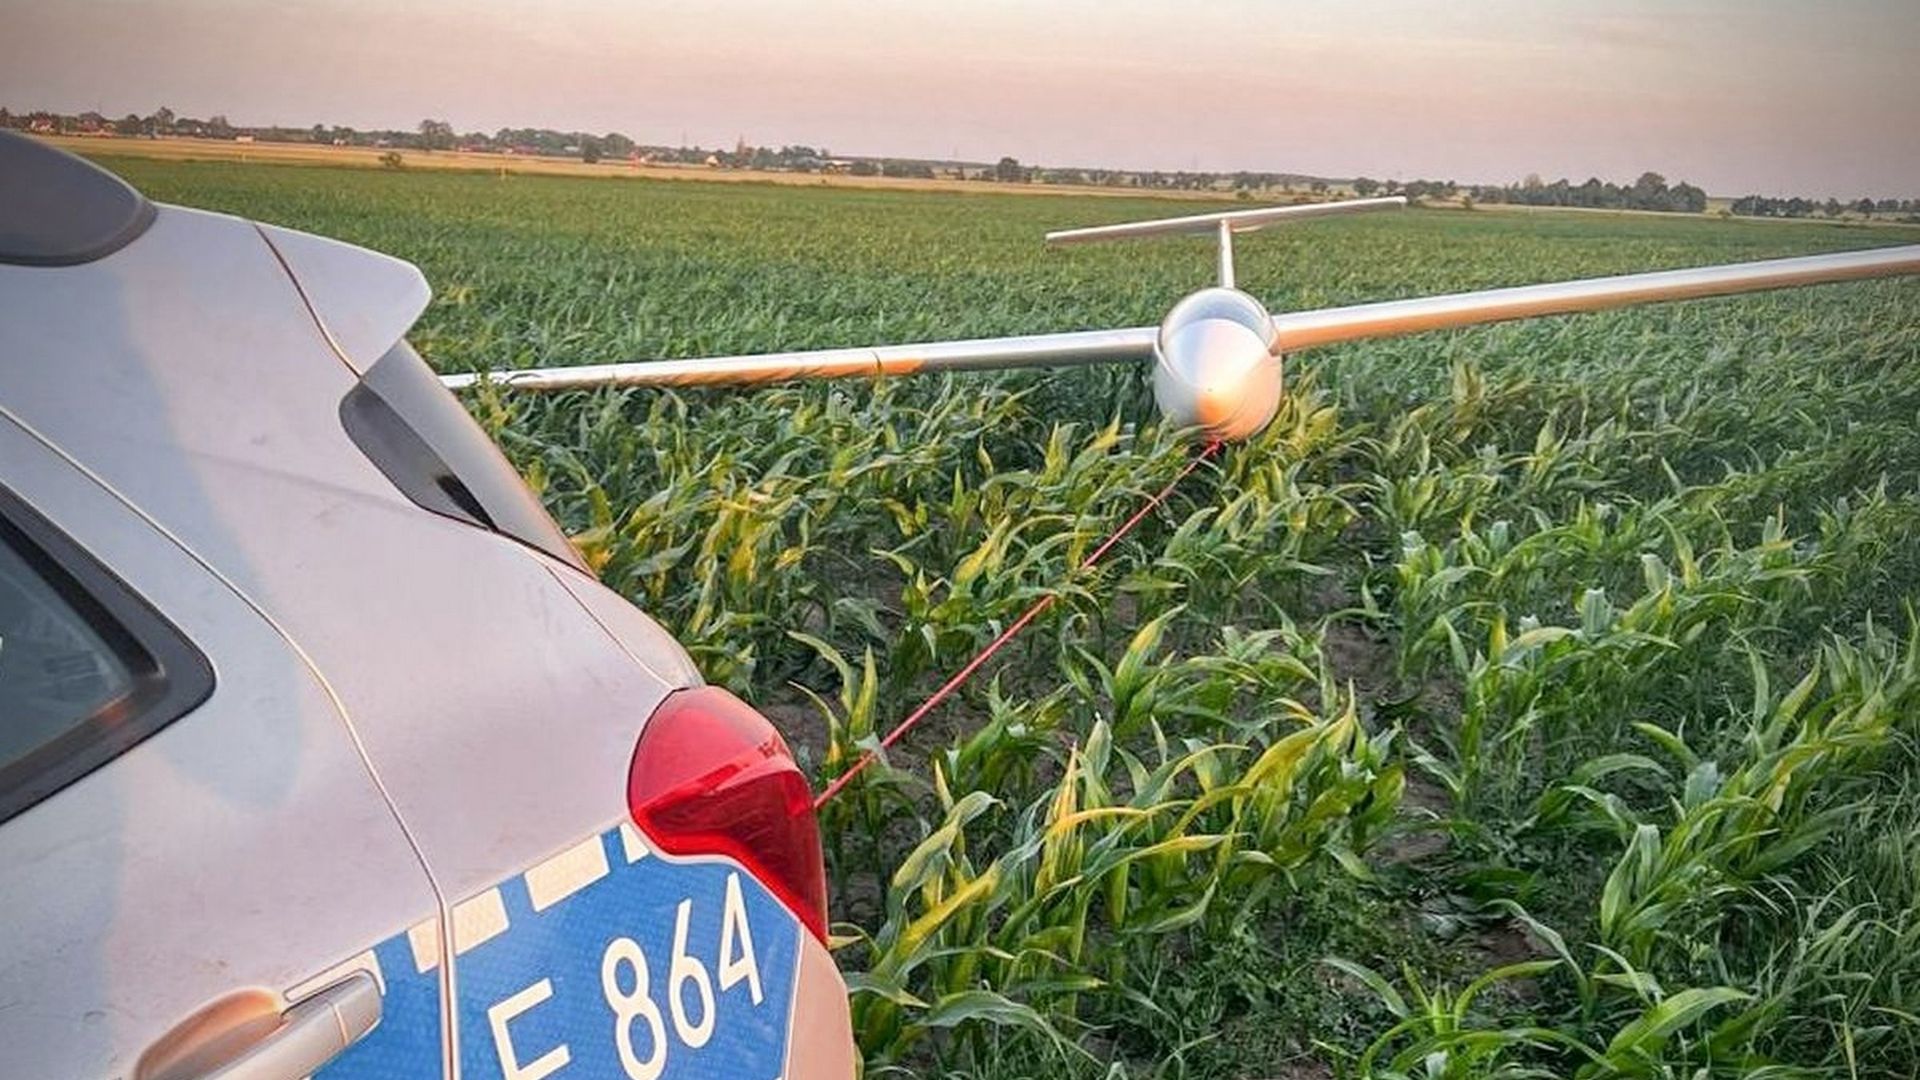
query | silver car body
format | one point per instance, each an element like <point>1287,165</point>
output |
<point>420,732</point>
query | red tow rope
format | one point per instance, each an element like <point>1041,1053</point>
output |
<point>959,677</point>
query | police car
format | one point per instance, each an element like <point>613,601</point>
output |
<point>321,753</point>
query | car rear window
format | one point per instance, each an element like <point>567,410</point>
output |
<point>416,432</point>
<point>55,670</point>
<point>87,669</point>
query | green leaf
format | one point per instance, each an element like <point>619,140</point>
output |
<point>1538,637</point>
<point>929,857</point>
<point>1622,890</point>
<point>1638,1040</point>
<point>965,1006</point>
<point>1373,981</point>
<point>864,982</point>
<point>1669,742</point>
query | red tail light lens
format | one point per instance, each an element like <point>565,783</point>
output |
<point>712,777</point>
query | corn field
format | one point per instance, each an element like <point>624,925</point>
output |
<point>1539,700</point>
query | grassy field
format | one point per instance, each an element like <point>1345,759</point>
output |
<point>1531,701</point>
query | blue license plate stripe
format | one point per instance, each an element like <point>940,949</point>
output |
<point>534,998</point>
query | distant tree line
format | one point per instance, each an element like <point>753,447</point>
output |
<point>1764,206</point>
<point>1009,170</point>
<point>432,135</point>
<point>1650,192</point>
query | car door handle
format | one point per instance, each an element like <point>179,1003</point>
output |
<point>311,1033</point>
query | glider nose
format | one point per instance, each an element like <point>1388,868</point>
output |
<point>1214,405</point>
<point>1214,369</point>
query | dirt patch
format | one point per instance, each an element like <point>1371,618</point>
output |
<point>1504,943</point>
<point>799,722</point>
<point>1421,835</point>
<point>1411,848</point>
<point>1356,654</point>
<point>1507,943</point>
<point>1441,697</point>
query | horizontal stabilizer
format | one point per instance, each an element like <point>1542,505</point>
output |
<point>1237,221</point>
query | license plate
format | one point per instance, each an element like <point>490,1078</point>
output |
<point>653,967</point>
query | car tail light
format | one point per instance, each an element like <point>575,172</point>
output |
<point>712,777</point>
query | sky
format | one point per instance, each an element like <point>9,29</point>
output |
<point>1778,97</point>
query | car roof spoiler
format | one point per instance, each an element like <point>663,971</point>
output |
<point>364,301</point>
